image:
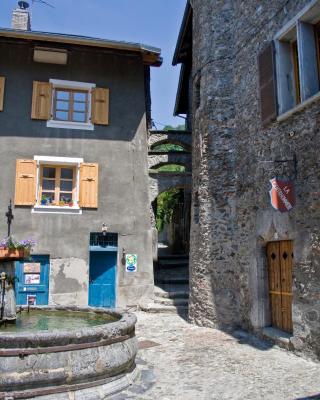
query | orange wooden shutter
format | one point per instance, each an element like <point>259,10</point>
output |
<point>88,196</point>
<point>2,82</point>
<point>26,177</point>
<point>41,100</point>
<point>100,106</point>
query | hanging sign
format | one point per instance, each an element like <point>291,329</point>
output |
<point>282,195</point>
<point>131,262</point>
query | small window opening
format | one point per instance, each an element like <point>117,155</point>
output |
<point>197,93</point>
<point>196,208</point>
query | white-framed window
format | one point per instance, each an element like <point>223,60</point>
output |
<point>297,60</point>
<point>57,185</point>
<point>71,105</point>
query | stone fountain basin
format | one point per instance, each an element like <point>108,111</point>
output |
<point>45,363</point>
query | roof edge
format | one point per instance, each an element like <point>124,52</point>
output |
<point>151,55</point>
<point>184,24</point>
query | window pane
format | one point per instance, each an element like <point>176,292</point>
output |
<point>79,96</point>
<point>66,186</point>
<point>66,173</point>
<point>62,115</point>
<point>79,107</point>
<point>48,185</point>
<point>66,197</point>
<point>79,117</point>
<point>62,105</point>
<point>47,196</point>
<point>49,172</point>
<point>61,95</point>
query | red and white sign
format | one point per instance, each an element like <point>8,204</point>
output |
<point>282,195</point>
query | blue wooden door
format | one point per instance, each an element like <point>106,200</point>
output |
<point>102,278</point>
<point>32,286</point>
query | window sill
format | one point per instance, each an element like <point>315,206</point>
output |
<point>70,125</point>
<point>298,108</point>
<point>56,210</point>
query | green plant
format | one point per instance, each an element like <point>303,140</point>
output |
<point>166,203</point>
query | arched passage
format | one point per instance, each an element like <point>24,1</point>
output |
<point>169,161</point>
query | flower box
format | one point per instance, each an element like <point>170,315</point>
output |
<point>13,254</point>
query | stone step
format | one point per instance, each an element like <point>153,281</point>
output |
<point>172,280</point>
<point>172,292</point>
<point>171,302</point>
<point>159,308</point>
<point>165,275</point>
<point>173,256</point>
<point>172,263</point>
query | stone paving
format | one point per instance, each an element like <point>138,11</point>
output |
<point>191,363</point>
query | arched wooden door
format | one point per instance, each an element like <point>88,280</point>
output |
<point>280,266</point>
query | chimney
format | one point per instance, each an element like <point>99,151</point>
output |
<point>21,17</point>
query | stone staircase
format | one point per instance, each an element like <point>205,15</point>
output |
<point>171,286</point>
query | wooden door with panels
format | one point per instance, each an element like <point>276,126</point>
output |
<point>280,268</point>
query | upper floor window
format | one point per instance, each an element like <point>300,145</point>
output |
<point>289,67</point>
<point>70,104</point>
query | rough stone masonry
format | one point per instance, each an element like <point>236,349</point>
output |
<point>234,158</point>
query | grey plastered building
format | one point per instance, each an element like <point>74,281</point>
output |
<point>255,117</point>
<point>73,155</point>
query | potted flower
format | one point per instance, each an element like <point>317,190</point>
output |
<point>12,249</point>
<point>70,203</point>
<point>44,200</point>
<point>62,203</point>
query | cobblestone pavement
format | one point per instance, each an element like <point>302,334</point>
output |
<point>193,363</point>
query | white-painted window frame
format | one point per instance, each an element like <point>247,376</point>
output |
<point>50,160</point>
<point>308,63</point>
<point>64,84</point>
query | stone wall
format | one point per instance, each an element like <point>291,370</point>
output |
<point>233,160</point>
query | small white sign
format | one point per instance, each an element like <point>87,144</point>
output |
<point>131,262</point>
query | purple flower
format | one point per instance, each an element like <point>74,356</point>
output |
<point>11,243</point>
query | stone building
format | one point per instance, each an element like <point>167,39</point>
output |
<point>74,117</point>
<point>250,86</point>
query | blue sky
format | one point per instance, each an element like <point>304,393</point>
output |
<point>153,22</point>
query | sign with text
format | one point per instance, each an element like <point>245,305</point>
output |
<point>282,195</point>
<point>32,279</point>
<point>31,268</point>
<point>131,262</point>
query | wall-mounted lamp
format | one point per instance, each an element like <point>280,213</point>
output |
<point>104,229</point>
<point>123,259</point>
